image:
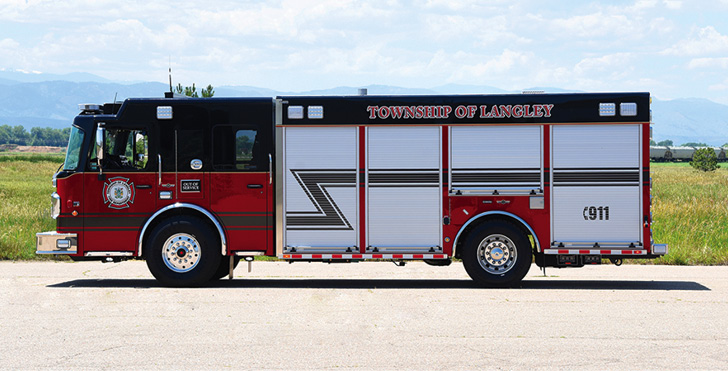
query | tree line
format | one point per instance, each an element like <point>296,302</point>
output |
<point>669,143</point>
<point>36,137</point>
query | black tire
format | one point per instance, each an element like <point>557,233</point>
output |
<point>183,251</point>
<point>224,268</point>
<point>497,254</point>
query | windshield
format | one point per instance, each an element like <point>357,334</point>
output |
<point>73,153</point>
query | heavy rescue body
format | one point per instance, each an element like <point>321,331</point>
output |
<point>490,179</point>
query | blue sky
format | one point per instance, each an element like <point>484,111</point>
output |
<point>672,48</point>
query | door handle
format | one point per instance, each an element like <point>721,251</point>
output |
<point>255,186</point>
<point>144,186</point>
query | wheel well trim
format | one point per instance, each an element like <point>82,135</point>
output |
<point>487,213</point>
<point>177,205</point>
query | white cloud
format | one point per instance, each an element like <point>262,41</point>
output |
<point>708,63</point>
<point>673,4</point>
<point>8,44</point>
<point>706,41</point>
<point>641,5</point>
<point>606,64</point>
<point>595,25</point>
<point>719,86</point>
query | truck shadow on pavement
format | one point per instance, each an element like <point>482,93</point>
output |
<point>318,283</point>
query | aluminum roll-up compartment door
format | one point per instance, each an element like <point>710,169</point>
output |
<point>403,188</point>
<point>596,181</point>
<point>321,205</point>
<point>496,158</point>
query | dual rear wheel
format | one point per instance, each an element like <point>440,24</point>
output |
<point>497,254</point>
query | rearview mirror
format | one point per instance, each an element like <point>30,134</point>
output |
<point>100,135</point>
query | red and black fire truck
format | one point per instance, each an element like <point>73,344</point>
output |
<point>195,185</point>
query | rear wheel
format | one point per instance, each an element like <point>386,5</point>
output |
<point>182,251</point>
<point>497,254</point>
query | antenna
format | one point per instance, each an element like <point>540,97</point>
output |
<point>170,94</point>
<point>170,73</point>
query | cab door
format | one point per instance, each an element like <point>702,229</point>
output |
<point>241,183</point>
<point>121,194</point>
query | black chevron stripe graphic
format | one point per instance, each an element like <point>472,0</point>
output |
<point>327,216</point>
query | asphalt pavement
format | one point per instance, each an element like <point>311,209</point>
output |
<point>374,315</point>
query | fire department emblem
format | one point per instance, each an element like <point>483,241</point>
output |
<point>118,193</point>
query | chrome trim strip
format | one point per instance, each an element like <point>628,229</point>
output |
<point>476,217</point>
<point>280,166</point>
<point>249,253</point>
<point>108,253</point>
<point>223,240</point>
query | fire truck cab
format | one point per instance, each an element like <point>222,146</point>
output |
<point>194,185</point>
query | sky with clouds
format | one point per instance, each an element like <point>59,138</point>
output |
<point>672,48</point>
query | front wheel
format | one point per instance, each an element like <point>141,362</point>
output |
<point>497,254</point>
<point>183,251</point>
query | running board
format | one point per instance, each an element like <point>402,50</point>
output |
<point>362,256</point>
<point>594,252</point>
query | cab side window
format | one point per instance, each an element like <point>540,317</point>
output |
<point>237,148</point>
<point>124,150</point>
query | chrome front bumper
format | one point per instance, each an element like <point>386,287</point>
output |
<point>56,243</point>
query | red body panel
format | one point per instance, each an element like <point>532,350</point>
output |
<point>116,227</point>
<point>243,204</point>
<point>70,190</point>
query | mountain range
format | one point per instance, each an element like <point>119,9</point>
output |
<point>44,100</point>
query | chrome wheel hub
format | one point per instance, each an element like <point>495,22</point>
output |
<point>496,254</point>
<point>181,252</point>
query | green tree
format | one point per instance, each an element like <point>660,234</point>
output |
<point>207,92</point>
<point>704,159</point>
<point>5,133</point>
<point>694,144</point>
<point>652,142</point>
<point>49,137</point>
<point>191,91</point>
<point>19,136</point>
<point>666,142</point>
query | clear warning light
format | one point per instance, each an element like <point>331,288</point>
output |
<point>607,109</point>
<point>315,112</point>
<point>628,109</point>
<point>295,112</point>
<point>164,112</point>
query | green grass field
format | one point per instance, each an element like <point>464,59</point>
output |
<point>25,190</point>
<point>690,212</point>
<point>690,209</point>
